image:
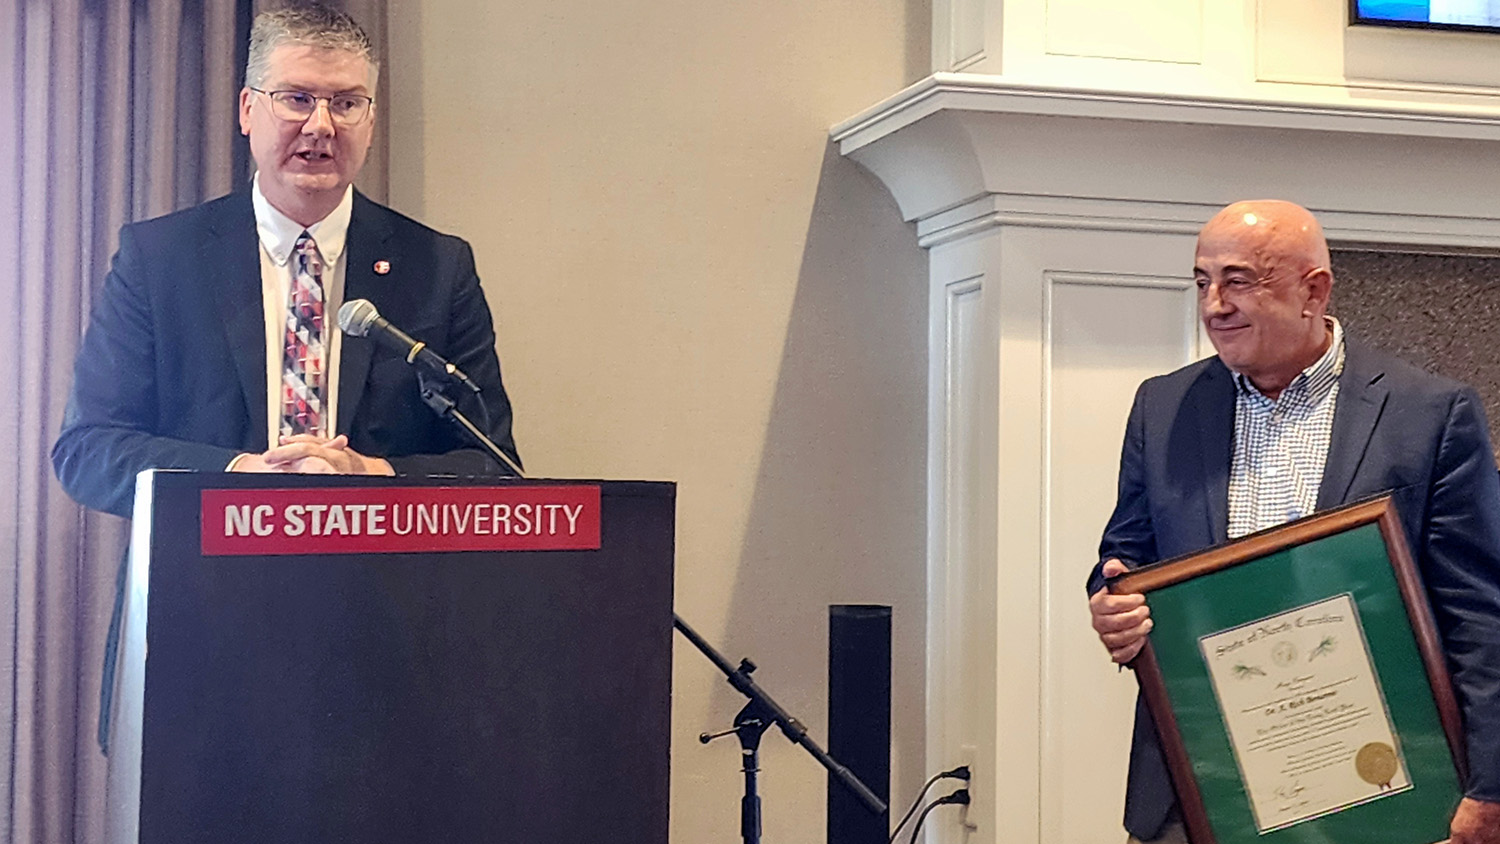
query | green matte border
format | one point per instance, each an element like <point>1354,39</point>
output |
<point>1354,561</point>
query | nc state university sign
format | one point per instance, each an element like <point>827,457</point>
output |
<point>394,520</point>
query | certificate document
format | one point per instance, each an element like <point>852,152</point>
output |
<point>1306,717</point>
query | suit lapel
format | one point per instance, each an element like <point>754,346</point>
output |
<point>368,231</point>
<point>1362,397</point>
<point>1214,400</point>
<point>230,256</point>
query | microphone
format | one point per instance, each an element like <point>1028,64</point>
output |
<point>359,318</point>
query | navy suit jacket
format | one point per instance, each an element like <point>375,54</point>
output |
<point>172,370</point>
<point>1395,428</point>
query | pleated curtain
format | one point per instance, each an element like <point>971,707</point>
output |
<point>110,111</point>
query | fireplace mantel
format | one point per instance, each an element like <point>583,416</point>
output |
<point>960,151</point>
<point>1059,227</point>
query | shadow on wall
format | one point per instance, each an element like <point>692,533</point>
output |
<point>839,514</point>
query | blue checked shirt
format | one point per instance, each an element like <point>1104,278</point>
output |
<point>1281,446</point>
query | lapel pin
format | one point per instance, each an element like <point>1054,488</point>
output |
<point>382,267</point>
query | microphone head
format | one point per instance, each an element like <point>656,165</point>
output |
<point>356,317</point>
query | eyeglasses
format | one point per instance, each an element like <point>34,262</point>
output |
<point>298,106</point>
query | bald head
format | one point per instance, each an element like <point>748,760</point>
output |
<point>1282,232</point>
<point>1263,282</point>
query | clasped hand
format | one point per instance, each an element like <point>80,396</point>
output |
<point>1122,621</point>
<point>314,455</point>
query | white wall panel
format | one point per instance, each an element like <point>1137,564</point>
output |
<point>960,34</point>
<point>1105,334</point>
<point>1162,31</point>
<point>1081,316</point>
<point>968,32</point>
<point>965,578</point>
<point>1302,51</point>
<point>961,518</point>
<point>1039,336</point>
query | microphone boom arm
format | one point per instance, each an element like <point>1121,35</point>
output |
<point>763,705</point>
<point>445,407</point>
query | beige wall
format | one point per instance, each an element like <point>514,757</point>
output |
<point>690,284</point>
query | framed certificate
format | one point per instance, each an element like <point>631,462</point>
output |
<point>1299,687</point>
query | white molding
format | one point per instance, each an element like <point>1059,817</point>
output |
<point>1347,229</point>
<point>994,210</point>
<point>996,94</point>
<point>1150,281</point>
<point>1378,86</point>
<point>962,153</point>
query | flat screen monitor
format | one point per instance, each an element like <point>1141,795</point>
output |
<point>1467,15</point>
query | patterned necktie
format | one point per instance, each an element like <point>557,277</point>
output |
<point>302,383</point>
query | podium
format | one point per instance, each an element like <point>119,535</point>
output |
<point>329,659</point>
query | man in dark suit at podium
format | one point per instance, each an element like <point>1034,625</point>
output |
<point>212,344</point>
<point>1292,417</point>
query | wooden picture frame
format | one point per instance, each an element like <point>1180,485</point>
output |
<point>1356,554</point>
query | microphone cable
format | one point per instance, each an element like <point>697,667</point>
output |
<point>484,410</point>
<point>959,773</point>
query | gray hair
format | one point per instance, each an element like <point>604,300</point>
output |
<point>308,25</point>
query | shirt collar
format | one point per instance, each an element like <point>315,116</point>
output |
<point>1314,382</point>
<point>279,233</point>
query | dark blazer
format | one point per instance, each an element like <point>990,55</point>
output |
<point>1396,428</point>
<point>172,370</point>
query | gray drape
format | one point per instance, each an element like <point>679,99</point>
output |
<point>110,111</point>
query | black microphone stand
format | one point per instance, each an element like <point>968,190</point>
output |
<point>759,715</point>
<point>432,393</point>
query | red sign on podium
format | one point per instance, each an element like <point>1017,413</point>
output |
<point>395,520</point>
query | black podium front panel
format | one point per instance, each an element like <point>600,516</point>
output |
<point>415,696</point>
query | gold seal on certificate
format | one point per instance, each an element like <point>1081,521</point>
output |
<point>1306,717</point>
<point>1376,763</point>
